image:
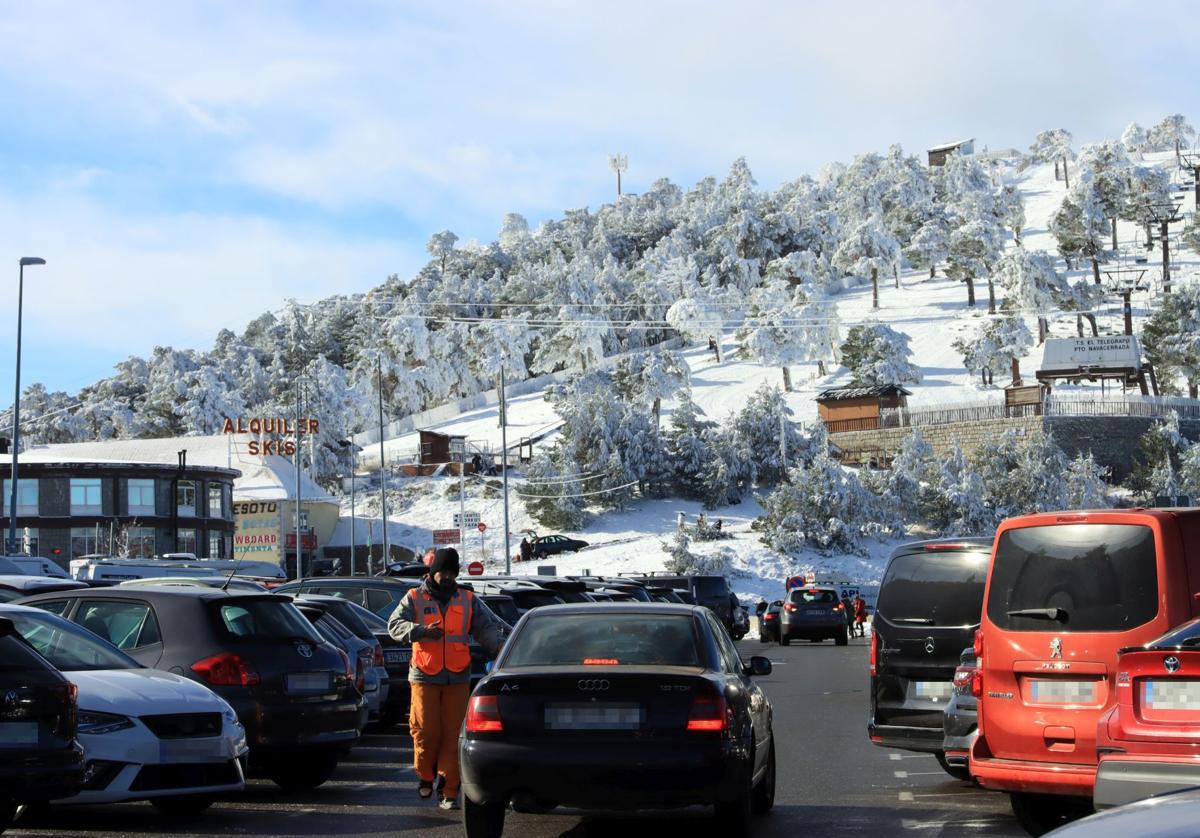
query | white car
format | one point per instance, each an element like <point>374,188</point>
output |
<point>146,734</point>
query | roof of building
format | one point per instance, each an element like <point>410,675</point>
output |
<point>269,477</point>
<point>950,146</point>
<point>836,394</point>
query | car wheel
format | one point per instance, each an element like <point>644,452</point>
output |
<point>301,772</point>
<point>182,806</point>
<point>958,772</point>
<point>764,792</point>
<point>8,811</point>
<point>733,816</point>
<point>482,820</point>
<point>842,639</point>
<point>1040,813</point>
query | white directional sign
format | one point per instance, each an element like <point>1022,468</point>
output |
<point>469,520</point>
<point>1106,352</point>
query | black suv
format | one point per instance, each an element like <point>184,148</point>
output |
<point>293,691</point>
<point>710,591</point>
<point>929,607</point>
<point>39,757</point>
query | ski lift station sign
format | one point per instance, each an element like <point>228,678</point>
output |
<point>1109,352</point>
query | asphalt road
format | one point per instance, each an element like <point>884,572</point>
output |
<point>832,782</point>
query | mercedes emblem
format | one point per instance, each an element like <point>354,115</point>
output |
<point>929,645</point>
<point>1171,663</point>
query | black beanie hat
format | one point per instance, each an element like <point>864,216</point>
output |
<point>446,558</point>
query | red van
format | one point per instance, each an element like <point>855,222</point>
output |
<point>1065,593</point>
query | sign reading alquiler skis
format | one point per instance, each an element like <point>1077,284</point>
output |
<point>273,427</point>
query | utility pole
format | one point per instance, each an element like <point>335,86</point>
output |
<point>504,467</point>
<point>1164,214</point>
<point>462,491</point>
<point>382,468</point>
<point>1190,162</point>
<point>618,163</point>
<point>299,541</point>
<point>353,543</point>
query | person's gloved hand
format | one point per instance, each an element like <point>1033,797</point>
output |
<point>433,632</point>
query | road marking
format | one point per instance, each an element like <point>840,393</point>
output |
<point>900,775</point>
<point>972,824</point>
<point>910,756</point>
<point>906,797</point>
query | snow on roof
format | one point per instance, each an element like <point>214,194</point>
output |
<point>840,393</point>
<point>270,477</point>
<point>950,146</point>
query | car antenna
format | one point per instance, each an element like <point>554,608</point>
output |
<point>232,571</point>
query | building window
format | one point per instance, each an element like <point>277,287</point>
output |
<point>185,497</point>
<point>27,497</point>
<point>228,507</point>
<point>85,541</point>
<point>85,496</point>
<point>185,541</point>
<point>216,500</point>
<point>216,544</point>
<point>141,542</point>
<point>141,496</point>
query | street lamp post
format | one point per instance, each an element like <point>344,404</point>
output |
<point>349,443</point>
<point>16,446</point>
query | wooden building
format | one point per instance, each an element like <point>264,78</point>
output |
<point>939,153</point>
<point>859,408</point>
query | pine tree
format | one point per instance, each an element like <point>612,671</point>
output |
<point>877,354</point>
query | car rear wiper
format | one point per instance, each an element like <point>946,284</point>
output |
<point>1056,614</point>
<point>917,621</point>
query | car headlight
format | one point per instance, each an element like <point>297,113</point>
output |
<point>97,724</point>
<point>229,714</point>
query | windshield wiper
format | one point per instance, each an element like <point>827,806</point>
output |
<point>917,621</point>
<point>1056,614</point>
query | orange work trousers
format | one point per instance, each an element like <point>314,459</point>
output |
<point>434,720</point>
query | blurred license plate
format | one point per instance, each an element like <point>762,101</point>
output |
<point>1063,692</point>
<point>594,716</point>
<point>308,682</point>
<point>18,734</point>
<point>208,749</point>
<point>396,655</point>
<point>937,690</point>
<point>1172,695</point>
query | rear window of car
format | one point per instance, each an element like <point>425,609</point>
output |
<point>605,639</point>
<point>534,599</point>
<point>711,587</point>
<point>265,620</point>
<point>945,586</point>
<point>1101,577</point>
<point>505,609</point>
<point>817,597</point>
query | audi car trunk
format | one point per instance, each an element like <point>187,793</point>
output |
<point>1065,593</point>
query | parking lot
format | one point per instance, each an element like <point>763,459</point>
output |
<point>832,781</point>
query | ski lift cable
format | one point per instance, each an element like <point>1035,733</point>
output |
<point>581,494</point>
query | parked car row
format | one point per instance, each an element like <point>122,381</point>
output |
<point>1058,662</point>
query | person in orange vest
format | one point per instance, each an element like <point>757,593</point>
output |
<point>439,618</point>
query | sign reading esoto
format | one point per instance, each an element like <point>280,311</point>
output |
<point>271,427</point>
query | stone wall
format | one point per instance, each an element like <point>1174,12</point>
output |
<point>1112,440</point>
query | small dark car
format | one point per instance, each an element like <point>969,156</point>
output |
<point>379,594</point>
<point>813,614</point>
<point>293,692</point>
<point>929,606</point>
<point>960,723</point>
<point>768,622</point>
<point>549,545</point>
<point>524,595</point>
<point>39,757</point>
<point>618,708</point>
<point>710,591</point>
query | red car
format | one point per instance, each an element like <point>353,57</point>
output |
<point>1066,592</point>
<point>1149,743</point>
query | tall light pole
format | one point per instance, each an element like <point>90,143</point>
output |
<point>504,466</point>
<point>618,163</point>
<point>349,443</point>
<point>16,443</point>
<point>382,469</point>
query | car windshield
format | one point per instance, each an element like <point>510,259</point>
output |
<point>1074,577</point>
<point>814,596</point>
<point>534,599</point>
<point>261,619</point>
<point>67,646</point>
<point>712,587</point>
<point>370,618</point>
<point>934,587</point>
<point>505,609</point>
<point>344,611</point>
<point>604,639</point>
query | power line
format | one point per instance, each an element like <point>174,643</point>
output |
<point>581,494</point>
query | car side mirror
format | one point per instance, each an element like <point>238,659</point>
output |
<point>759,666</point>
<point>777,603</point>
<point>761,607</point>
<point>488,667</point>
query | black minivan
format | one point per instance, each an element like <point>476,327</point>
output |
<point>929,607</point>
<point>709,591</point>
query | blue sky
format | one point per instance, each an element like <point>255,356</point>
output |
<point>185,167</point>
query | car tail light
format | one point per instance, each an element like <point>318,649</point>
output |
<point>378,654</point>
<point>962,676</point>
<point>483,715</point>
<point>770,616</point>
<point>839,607</point>
<point>708,713</point>
<point>977,646</point>
<point>789,607</point>
<point>874,651</point>
<point>977,682</point>
<point>347,667</point>
<point>227,669</point>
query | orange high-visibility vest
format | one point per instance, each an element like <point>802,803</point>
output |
<point>452,651</point>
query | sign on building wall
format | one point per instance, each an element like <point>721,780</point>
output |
<point>257,527</point>
<point>273,433</point>
<point>1105,352</point>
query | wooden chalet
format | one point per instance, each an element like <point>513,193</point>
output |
<point>859,408</point>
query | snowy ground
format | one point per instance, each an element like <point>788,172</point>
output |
<point>931,311</point>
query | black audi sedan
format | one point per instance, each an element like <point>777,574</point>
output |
<point>293,691</point>
<point>39,757</point>
<point>618,707</point>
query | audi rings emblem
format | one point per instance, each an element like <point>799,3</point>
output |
<point>593,684</point>
<point>929,645</point>
<point>304,650</point>
<point>1171,663</point>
